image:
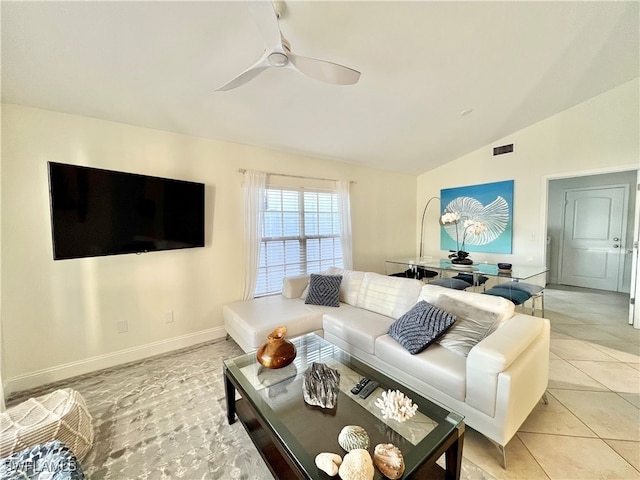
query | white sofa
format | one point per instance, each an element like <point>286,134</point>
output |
<point>495,387</point>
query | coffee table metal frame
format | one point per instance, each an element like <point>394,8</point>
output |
<point>287,459</point>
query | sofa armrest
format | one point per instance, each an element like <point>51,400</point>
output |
<point>496,353</point>
<point>292,287</point>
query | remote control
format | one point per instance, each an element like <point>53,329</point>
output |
<point>368,389</point>
<point>358,386</point>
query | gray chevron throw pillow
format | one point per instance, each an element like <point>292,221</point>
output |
<point>324,290</point>
<point>420,326</point>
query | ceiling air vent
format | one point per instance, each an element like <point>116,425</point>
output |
<point>503,149</point>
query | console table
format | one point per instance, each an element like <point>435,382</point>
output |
<point>517,273</point>
<point>477,270</point>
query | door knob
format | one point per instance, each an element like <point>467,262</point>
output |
<point>615,245</point>
<point>616,239</point>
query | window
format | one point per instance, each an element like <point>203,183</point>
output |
<point>301,235</point>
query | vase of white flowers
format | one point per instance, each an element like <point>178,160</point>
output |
<point>460,256</point>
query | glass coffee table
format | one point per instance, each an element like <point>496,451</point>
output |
<point>289,433</point>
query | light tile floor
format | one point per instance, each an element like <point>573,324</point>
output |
<point>591,427</point>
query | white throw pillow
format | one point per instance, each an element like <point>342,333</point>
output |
<point>472,326</point>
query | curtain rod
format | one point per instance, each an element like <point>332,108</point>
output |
<point>243,170</point>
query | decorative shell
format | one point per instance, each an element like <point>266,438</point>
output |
<point>395,405</point>
<point>352,437</point>
<point>389,460</point>
<point>357,465</point>
<point>328,463</point>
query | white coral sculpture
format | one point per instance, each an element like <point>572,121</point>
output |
<point>396,405</point>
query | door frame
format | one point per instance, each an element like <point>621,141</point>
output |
<point>634,311</point>
<point>625,212</point>
<point>544,213</point>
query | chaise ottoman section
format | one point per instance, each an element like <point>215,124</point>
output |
<point>249,322</point>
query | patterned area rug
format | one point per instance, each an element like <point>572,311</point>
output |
<point>165,418</point>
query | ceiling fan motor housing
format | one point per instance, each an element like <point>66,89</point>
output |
<point>278,59</point>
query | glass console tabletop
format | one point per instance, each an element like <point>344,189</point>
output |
<point>289,433</point>
<point>517,273</point>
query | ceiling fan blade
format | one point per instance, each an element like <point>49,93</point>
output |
<point>249,74</point>
<point>266,20</point>
<point>324,71</point>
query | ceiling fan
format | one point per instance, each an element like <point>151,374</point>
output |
<point>278,52</point>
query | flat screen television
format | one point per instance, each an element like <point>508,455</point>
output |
<point>97,212</point>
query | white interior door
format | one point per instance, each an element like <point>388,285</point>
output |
<point>593,237</point>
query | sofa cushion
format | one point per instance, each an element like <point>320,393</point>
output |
<point>356,326</point>
<point>473,325</point>
<point>351,283</point>
<point>294,286</point>
<point>420,326</point>
<point>389,296</point>
<point>249,322</point>
<point>443,369</point>
<point>324,290</point>
<point>500,306</point>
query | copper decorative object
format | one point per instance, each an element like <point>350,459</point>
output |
<point>278,352</point>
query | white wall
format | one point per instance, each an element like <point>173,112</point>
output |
<point>601,134</point>
<point>59,318</point>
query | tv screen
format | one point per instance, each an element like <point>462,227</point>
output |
<point>97,212</point>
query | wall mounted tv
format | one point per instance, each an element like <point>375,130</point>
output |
<point>97,212</point>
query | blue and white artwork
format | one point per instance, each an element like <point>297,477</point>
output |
<point>489,205</point>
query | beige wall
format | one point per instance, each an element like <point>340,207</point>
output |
<point>59,318</point>
<point>597,136</point>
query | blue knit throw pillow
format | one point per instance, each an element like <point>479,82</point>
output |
<point>324,290</point>
<point>46,461</point>
<point>420,326</point>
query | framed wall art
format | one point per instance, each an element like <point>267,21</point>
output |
<point>485,222</point>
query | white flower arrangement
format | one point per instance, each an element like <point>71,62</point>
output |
<point>449,217</point>
<point>396,405</point>
<point>469,226</point>
<point>477,228</point>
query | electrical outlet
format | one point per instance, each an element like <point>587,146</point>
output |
<point>168,317</point>
<point>123,327</point>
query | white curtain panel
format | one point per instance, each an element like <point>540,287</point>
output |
<point>344,208</point>
<point>254,192</point>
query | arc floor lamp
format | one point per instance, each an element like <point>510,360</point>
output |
<point>424,213</point>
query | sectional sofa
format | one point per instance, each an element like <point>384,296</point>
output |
<point>491,366</point>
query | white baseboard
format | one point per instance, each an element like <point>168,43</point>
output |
<point>80,367</point>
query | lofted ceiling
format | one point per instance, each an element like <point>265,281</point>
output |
<point>157,65</point>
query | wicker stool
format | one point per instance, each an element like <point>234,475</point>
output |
<point>60,415</point>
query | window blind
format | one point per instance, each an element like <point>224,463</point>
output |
<point>301,235</point>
